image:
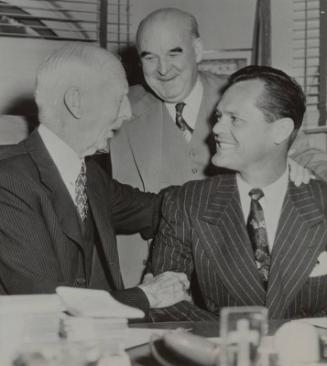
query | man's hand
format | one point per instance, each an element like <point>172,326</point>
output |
<point>299,174</point>
<point>166,289</point>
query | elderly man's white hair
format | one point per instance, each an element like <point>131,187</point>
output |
<point>75,64</point>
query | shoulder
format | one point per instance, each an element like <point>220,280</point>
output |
<point>212,80</point>
<point>139,94</point>
<point>15,160</point>
<point>144,104</point>
<point>318,190</point>
<point>311,197</point>
<point>136,93</point>
<point>20,179</point>
<point>197,193</point>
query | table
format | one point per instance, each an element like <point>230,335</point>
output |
<point>141,356</point>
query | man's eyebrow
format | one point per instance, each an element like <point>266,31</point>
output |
<point>144,53</point>
<point>176,49</point>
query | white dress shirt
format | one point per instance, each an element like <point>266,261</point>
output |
<point>271,202</point>
<point>191,108</point>
<point>65,158</point>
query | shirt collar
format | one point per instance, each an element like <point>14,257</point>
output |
<point>65,158</point>
<point>276,189</point>
<point>192,104</point>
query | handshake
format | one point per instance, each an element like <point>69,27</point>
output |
<point>165,289</point>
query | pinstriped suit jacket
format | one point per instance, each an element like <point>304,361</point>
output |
<point>203,231</point>
<point>40,231</point>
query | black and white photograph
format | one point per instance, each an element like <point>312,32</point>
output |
<point>163,182</point>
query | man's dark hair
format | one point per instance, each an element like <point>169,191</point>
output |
<point>282,96</point>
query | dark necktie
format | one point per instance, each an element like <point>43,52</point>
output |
<point>256,226</point>
<point>80,193</point>
<point>180,122</point>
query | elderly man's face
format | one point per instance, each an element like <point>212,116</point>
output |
<point>244,140</point>
<point>106,107</point>
<point>169,59</point>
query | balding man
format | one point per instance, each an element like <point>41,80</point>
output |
<point>156,148</point>
<point>60,213</point>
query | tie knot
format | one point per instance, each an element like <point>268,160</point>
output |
<point>83,168</point>
<point>256,194</point>
<point>179,108</point>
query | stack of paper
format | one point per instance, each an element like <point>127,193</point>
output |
<point>30,304</point>
<point>72,316</point>
<point>81,329</point>
<point>95,304</point>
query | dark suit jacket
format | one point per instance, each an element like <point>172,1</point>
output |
<point>203,231</point>
<point>40,231</point>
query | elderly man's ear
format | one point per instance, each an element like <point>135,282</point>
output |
<point>282,129</point>
<point>72,100</point>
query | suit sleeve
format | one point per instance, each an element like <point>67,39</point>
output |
<point>134,211</point>
<point>133,297</point>
<point>310,157</point>
<point>172,251</point>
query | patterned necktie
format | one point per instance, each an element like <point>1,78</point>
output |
<point>80,193</point>
<point>180,122</point>
<point>256,227</point>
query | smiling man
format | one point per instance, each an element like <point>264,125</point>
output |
<point>59,211</point>
<point>168,141</point>
<point>252,237</point>
<point>152,151</point>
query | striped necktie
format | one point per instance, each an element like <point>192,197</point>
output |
<point>257,231</point>
<point>80,193</point>
<point>180,122</point>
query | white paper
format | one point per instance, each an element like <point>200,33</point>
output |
<point>317,322</point>
<point>30,304</point>
<point>95,303</point>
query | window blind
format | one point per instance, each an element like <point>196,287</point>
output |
<point>306,53</point>
<point>80,20</point>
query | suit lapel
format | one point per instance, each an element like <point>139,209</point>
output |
<point>299,240</point>
<point>147,137</point>
<point>100,208</point>
<point>61,200</point>
<point>224,237</point>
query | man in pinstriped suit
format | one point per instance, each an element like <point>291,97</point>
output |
<point>59,212</point>
<point>204,231</point>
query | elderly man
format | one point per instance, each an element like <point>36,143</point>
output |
<point>252,237</point>
<point>169,141</point>
<point>60,213</point>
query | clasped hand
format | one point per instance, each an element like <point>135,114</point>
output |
<point>165,289</point>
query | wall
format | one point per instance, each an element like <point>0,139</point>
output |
<point>18,64</point>
<point>223,23</point>
<point>282,34</point>
<point>282,57</point>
